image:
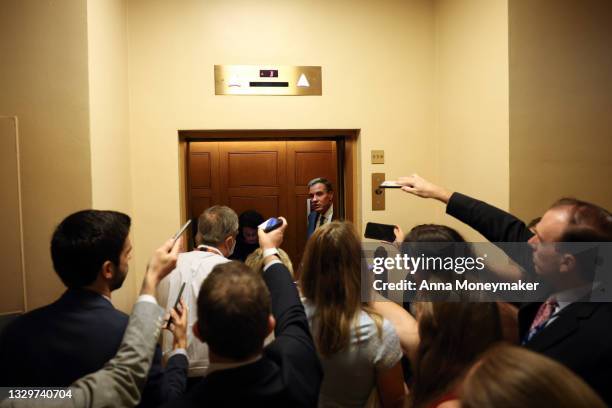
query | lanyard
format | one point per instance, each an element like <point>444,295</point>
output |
<point>207,248</point>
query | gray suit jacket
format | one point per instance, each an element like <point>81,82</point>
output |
<point>120,382</point>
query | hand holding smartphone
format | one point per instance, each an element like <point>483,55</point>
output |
<point>180,232</point>
<point>271,224</point>
<point>178,300</point>
<point>390,184</point>
<point>270,233</point>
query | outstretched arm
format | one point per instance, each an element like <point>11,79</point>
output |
<point>122,379</point>
<point>293,344</point>
<point>495,224</point>
<point>287,308</point>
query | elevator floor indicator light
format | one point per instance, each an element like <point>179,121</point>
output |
<point>303,82</point>
<point>268,80</point>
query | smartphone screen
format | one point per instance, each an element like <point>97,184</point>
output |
<point>271,224</point>
<point>383,232</point>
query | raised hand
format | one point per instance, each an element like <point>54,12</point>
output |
<point>420,187</point>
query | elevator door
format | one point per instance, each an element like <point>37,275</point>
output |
<point>270,177</point>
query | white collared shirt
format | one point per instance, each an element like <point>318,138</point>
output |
<point>328,216</point>
<point>566,298</point>
<point>226,366</point>
<point>192,268</point>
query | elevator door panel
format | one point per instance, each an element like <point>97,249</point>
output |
<point>270,177</point>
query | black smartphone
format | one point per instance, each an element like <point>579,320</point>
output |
<point>382,232</point>
<point>178,300</point>
<point>271,224</point>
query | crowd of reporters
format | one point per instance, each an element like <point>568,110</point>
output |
<point>261,334</point>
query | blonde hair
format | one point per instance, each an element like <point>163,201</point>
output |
<point>330,278</point>
<point>255,260</point>
<point>513,377</point>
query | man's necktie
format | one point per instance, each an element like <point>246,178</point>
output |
<point>544,313</point>
<point>321,220</point>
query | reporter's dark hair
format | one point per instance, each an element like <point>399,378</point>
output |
<point>433,233</point>
<point>233,309</point>
<point>83,241</point>
<point>251,219</point>
<point>452,336</point>
<point>428,240</point>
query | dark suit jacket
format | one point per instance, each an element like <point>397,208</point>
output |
<point>312,220</point>
<point>288,374</point>
<point>494,224</point>
<point>72,337</point>
<point>581,336</point>
<point>120,382</point>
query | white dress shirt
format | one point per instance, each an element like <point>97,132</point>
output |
<point>329,214</point>
<point>566,298</point>
<point>192,268</point>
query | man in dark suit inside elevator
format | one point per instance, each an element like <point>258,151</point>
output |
<point>321,195</point>
<point>55,345</point>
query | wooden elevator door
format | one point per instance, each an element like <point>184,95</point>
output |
<point>270,177</point>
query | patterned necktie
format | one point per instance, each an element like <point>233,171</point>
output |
<point>321,220</point>
<point>544,313</point>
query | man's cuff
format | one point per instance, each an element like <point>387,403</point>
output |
<point>147,298</point>
<point>176,352</point>
<point>269,251</point>
<point>276,261</point>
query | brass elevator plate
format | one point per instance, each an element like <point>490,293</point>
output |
<point>283,80</point>
<point>378,194</point>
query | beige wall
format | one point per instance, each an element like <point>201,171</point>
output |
<point>43,81</point>
<point>377,60</point>
<point>471,89</point>
<point>108,114</point>
<point>12,296</point>
<point>429,82</point>
<point>560,103</point>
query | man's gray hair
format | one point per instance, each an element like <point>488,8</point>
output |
<point>215,224</point>
<point>322,180</point>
